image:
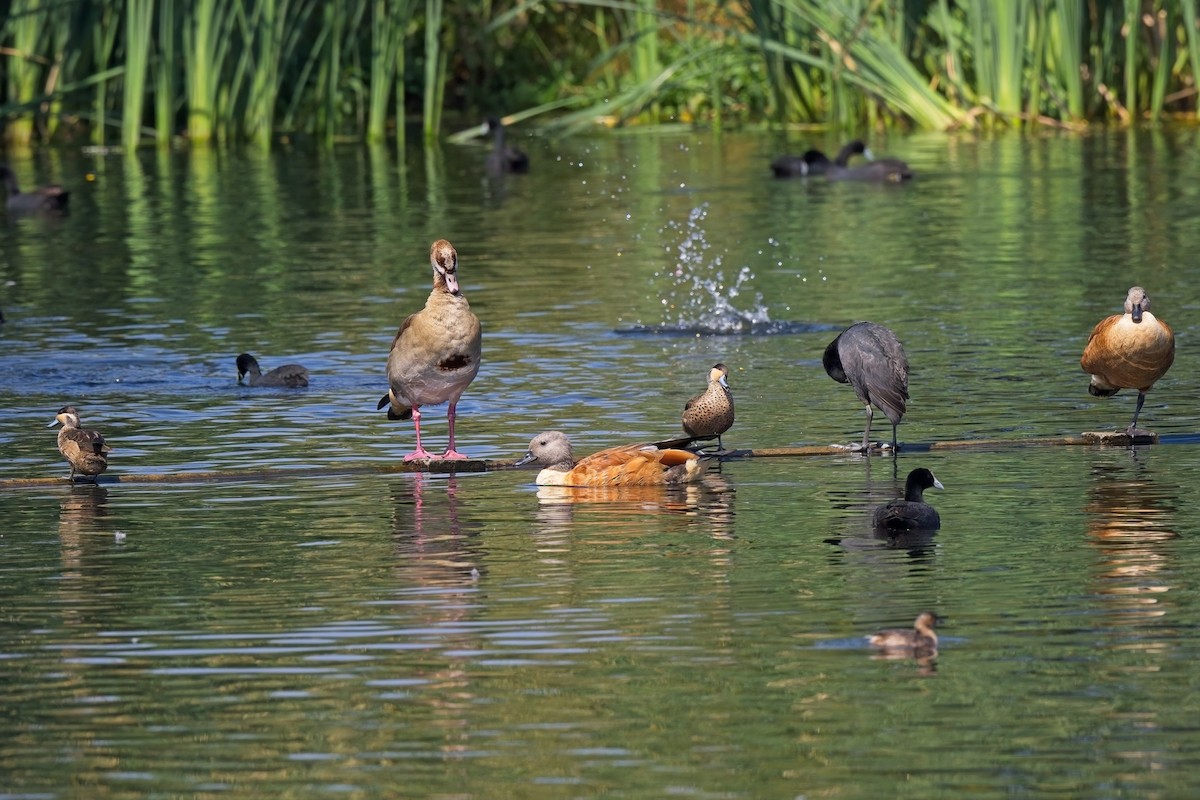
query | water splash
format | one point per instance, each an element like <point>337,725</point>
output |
<point>700,299</point>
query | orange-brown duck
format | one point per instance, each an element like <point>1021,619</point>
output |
<point>628,465</point>
<point>1129,351</point>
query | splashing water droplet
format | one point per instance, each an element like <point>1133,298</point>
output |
<point>700,294</point>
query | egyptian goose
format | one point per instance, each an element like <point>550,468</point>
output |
<point>292,376</point>
<point>42,199</point>
<point>629,465</point>
<point>84,450</point>
<point>1129,351</point>
<point>911,513</point>
<point>871,359</point>
<point>710,413</point>
<point>920,638</point>
<point>435,354</point>
<point>504,156</point>
<point>814,162</point>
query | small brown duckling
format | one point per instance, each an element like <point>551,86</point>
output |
<point>84,450</point>
<point>44,199</point>
<point>290,376</point>
<point>710,413</point>
<point>911,513</point>
<point>920,638</point>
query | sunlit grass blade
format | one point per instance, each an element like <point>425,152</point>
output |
<point>24,65</point>
<point>165,82</point>
<point>139,22</point>
<point>435,70</point>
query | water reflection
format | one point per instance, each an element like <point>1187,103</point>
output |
<point>926,661</point>
<point>434,545</point>
<point>1131,517</point>
<point>709,502</point>
<point>82,512</point>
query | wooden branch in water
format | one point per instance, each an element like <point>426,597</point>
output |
<point>1110,438</point>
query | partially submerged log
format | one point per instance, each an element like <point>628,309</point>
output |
<point>1119,438</point>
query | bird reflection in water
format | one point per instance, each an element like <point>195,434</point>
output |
<point>436,547</point>
<point>82,513</point>
<point>1131,522</point>
<point>707,503</point>
<point>438,566</point>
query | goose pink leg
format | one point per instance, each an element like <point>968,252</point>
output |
<point>420,452</point>
<point>451,454</point>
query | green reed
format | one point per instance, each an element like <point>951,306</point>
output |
<point>201,49</point>
<point>139,23</point>
<point>256,69</point>
<point>24,66</point>
<point>165,83</point>
<point>435,70</point>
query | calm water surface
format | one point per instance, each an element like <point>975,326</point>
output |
<point>334,630</point>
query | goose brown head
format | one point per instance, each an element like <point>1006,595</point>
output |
<point>444,259</point>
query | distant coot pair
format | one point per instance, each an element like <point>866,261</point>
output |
<point>814,162</point>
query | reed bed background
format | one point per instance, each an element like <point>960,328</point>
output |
<point>138,71</point>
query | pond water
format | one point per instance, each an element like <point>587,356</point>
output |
<point>320,626</point>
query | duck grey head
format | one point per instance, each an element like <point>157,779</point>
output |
<point>1136,302</point>
<point>552,449</point>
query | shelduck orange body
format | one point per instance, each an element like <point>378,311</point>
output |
<point>1129,351</point>
<point>628,465</point>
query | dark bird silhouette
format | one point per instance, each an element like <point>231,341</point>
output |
<point>1129,351</point>
<point>814,162</point>
<point>910,513</point>
<point>51,198</point>
<point>291,376</point>
<point>84,450</point>
<point>504,157</point>
<point>878,170</point>
<point>871,359</point>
